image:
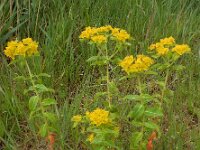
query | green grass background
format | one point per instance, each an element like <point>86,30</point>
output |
<point>56,25</point>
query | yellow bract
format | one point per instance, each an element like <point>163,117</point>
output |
<point>99,39</point>
<point>98,35</point>
<point>91,137</point>
<point>181,49</point>
<point>126,62</point>
<point>77,118</point>
<point>26,47</point>
<point>120,35</point>
<point>170,41</point>
<point>98,117</point>
<point>131,65</point>
<point>162,47</point>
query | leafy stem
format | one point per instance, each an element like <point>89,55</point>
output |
<point>108,79</point>
<point>35,90</point>
<point>165,86</point>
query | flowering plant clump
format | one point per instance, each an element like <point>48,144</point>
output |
<point>40,117</point>
<point>143,110</point>
<point>26,47</point>
<point>98,127</point>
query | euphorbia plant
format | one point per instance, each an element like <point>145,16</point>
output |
<point>41,119</point>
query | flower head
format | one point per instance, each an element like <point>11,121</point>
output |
<point>98,35</point>
<point>170,41</point>
<point>120,35</point>
<point>10,50</point>
<point>99,39</point>
<point>126,62</point>
<point>131,65</point>
<point>98,117</point>
<point>181,49</point>
<point>26,47</point>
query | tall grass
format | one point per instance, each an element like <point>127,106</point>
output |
<point>57,25</point>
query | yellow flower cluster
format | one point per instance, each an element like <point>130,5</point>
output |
<point>99,39</point>
<point>165,45</point>
<point>131,65</point>
<point>98,117</point>
<point>120,35</point>
<point>101,34</point>
<point>76,118</point>
<point>26,47</point>
<point>162,47</point>
<point>181,49</point>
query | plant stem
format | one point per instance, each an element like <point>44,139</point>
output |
<point>165,86</point>
<point>140,91</point>
<point>35,90</point>
<point>108,80</point>
<point>139,85</point>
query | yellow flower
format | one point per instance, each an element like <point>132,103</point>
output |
<point>10,50</point>
<point>120,35</point>
<point>26,47</point>
<point>99,117</point>
<point>104,28</point>
<point>126,62</point>
<point>31,45</point>
<point>88,32</point>
<point>181,49</point>
<point>170,41</point>
<point>99,39</point>
<point>142,63</point>
<point>152,47</point>
<point>76,118</point>
<point>162,50</point>
<point>91,137</point>
<point>21,49</point>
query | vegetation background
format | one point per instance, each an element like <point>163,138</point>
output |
<point>57,24</point>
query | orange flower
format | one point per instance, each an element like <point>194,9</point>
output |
<point>152,136</point>
<point>150,145</point>
<point>51,140</point>
<point>150,141</point>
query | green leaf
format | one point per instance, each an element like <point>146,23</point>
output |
<point>142,97</point>
<point>48,101</point>
<point>153,112</point>
<point>44,75</point>
<point>113,88</point>
<point>50,116</point>
<point>2,128</point>
<point>135,139</point>
<point>98,95</point>
<point>42,88</point>
<point>43,130</point>
<point>151,125</point>
<point>33,101</point>
<point>136,123</point>
<point>137,111</point>
<point>98,60</point>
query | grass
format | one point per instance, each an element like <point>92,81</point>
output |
<point>57,25</point>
